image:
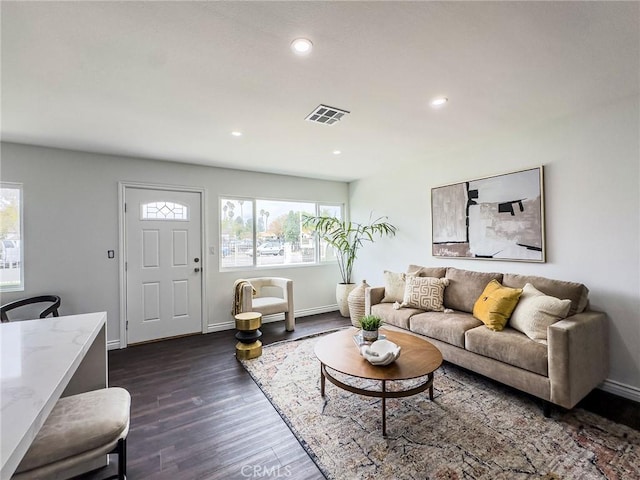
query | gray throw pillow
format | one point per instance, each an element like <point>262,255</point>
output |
<point>465,286</point>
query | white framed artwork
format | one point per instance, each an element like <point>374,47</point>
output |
<point>493,218</point>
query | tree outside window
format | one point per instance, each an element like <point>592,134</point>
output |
<point>276,237</point>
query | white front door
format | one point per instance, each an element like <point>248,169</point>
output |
<point>163,263</point>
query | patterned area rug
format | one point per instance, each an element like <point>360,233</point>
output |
<point>474,428</point>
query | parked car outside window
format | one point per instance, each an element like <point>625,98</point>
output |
<point>10,253</point>
<point>245,246</point>
<point>270,248</point>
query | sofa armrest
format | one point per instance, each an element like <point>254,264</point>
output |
<point>578,349</point>
<point>372,296</point>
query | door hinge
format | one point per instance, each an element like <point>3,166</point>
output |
<point>127,326</point>
<point>126,265</point>
<point>125,208</point>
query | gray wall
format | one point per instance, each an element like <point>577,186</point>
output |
<point>592,184</point>
<point>71,220</point>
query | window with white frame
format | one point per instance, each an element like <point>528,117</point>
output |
<point>325,251</point>
<point>11,251</point>
<point>267,233</point>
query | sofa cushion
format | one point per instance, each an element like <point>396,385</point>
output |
<point>418,271</point>
<point>394,285</point>
<point>399,318</point>
<point>495,305</point>
<point>425,293</point>
<point>465,287</point>
<point>576,292</point>
<point>536,311</point>
<point>446,327</point>
<point>508,346</point>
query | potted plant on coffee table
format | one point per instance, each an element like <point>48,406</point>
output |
<point>370,325</point>
<point>346,238</point>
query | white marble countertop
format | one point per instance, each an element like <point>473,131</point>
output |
<point>37,360</point>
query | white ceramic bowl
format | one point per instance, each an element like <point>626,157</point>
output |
<point>381,352</point>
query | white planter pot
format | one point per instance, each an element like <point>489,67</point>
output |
<point>342,295</point>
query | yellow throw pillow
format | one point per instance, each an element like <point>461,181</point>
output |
<point>495,305</point>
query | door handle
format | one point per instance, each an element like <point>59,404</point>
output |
<point>196,269</point>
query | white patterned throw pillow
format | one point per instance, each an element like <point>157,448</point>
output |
<point>425,293</point>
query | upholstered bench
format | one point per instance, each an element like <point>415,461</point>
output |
<point>80,428</point>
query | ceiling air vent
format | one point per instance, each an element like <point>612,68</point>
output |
<point>326,115</point>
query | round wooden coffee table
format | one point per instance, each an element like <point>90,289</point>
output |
<point>418,358</point>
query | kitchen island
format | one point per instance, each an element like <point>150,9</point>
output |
<point>41,361</point>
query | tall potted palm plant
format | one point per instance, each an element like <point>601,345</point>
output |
<point>346,238</point>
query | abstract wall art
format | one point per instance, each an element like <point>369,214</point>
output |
<point>499,217</point>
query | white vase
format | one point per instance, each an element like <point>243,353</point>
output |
<point>342,297</point>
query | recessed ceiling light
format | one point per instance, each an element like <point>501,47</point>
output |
<point>301,46</point>
<point>337,152</point>
<point>439,101</point>
<point>236,133</point>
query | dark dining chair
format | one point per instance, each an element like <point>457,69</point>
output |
<point>52,309</point>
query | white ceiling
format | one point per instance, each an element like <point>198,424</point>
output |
<point>171,80</point>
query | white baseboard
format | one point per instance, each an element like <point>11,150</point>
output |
<point>316,310</point>
<point>621,389</point>
<point>229,325</point>
<point>218,327</point>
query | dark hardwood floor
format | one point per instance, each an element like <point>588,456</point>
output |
<point>197,414</point>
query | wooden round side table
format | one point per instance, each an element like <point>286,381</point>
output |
<point>248,325</point>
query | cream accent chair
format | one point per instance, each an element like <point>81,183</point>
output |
<point>273,295</point>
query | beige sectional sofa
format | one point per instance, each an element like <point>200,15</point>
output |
<point>562,370</point>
